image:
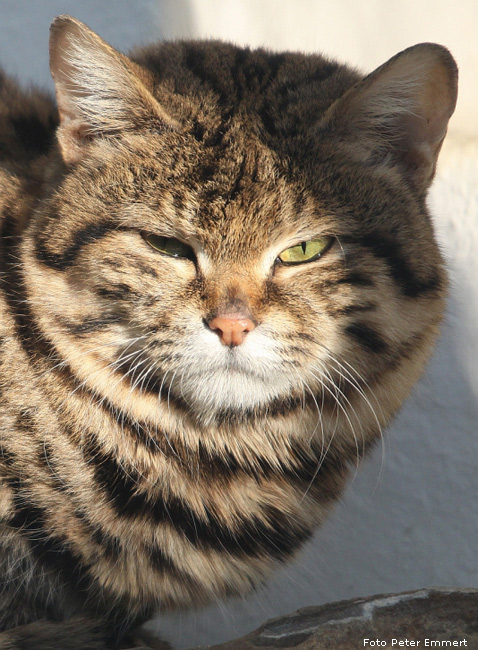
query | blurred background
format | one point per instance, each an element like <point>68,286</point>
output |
<point>410,516</point>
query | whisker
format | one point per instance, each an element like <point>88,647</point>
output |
<point>361,390</point>
<point>350,376</point>
<point>115,343</point>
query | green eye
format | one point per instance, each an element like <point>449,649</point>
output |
<point>169,246</point>
<point>306,251</point>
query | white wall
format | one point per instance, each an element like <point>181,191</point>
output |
<point>410,517</point>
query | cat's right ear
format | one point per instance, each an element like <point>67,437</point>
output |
<point>99,91</point>
<point>397,117</point>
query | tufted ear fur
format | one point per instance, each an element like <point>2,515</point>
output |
<point>99,91</point>
<point>398,115</point>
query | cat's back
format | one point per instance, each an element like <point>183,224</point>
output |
<point>28,120</point>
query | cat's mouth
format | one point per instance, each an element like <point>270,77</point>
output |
<point>205,375</point>
<point>234,381</point>
<point>231,384</point>
<point>226,389</point>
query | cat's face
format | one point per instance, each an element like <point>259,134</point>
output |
<point>224,246</point>
<point>155,232</point>
<point>147,312</point>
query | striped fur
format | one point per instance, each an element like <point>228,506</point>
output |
<point>143,463</point>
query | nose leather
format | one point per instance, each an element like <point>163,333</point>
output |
<point>232,329</point>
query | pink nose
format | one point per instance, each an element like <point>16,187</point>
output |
<point>231,328</point>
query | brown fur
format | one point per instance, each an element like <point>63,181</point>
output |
<point>144,464</point>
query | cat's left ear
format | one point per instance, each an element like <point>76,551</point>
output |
<point>398,115</point>
<point>99,91</point>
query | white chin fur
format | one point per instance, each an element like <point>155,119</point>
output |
<point>222,389</point>
<point>216,377</point>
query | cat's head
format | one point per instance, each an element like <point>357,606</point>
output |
<point>239,231</point>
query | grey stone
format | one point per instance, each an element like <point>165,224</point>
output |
<point>429,618</point>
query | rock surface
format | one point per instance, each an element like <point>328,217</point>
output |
<point>429,618</point>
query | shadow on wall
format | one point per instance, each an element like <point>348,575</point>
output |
<point>122,23</point>
<point>175,19</point>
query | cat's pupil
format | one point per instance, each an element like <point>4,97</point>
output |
<point>306,251</point>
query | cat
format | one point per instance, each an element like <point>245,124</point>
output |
<point>219,283</point>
